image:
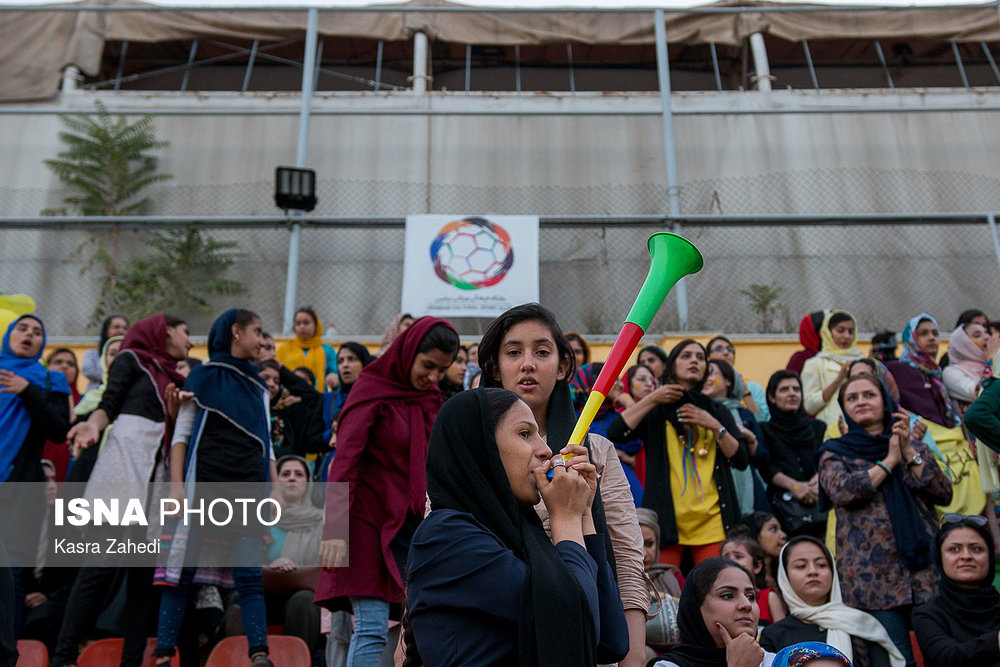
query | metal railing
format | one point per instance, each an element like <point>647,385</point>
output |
<point>590,268</point>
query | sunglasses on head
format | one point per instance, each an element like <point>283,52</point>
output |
<point>969,519</point>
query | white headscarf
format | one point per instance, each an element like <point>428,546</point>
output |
<point>840,621</point>
<point>303,522</point>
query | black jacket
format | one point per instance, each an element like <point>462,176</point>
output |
<point>302,422</point>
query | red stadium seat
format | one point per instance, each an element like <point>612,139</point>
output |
<point>33,653</point>
<point>917,655</point>
<point>109,652</point>
<point>285,651</point>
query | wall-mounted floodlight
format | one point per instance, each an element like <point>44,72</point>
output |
<point>295,188</point>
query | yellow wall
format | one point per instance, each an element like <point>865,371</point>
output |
<point>756,358</point>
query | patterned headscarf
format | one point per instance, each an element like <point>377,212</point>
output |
<point>799,655</point>
<point>583,383</point>
<point>916,358</point>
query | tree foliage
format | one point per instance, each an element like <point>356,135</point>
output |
<point>107,162</point>
<point>179,275</point>
<point>764,301</point>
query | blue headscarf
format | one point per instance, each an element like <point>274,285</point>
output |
<point>913,538</point>
<point>798,655</point>
<point>14,418</point>
<point>231,387</point>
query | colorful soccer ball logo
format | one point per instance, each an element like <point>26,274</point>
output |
<point>472,253</point>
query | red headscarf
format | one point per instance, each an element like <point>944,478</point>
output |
<point>387,379</point>
<point>809,329</point>
<point>146,340</point>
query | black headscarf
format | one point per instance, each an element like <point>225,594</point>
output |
<point>913,537</point>
<point>560,420</point>
<point>465,473</point>
<point>697,647</point>
<point>792,429</point>
<point>977,609</point>
<point>791,432</point>
<point>560,417</point>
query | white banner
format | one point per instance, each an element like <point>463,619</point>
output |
<point>469,266</point>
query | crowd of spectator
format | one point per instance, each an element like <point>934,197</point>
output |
<point>842,512</point>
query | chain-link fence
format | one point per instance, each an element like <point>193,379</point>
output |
<point>805,192</point>
<point>590,272</point>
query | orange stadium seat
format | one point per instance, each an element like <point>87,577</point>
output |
<point>285,651</point>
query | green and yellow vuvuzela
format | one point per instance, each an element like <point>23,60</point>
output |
<point>671,258</point>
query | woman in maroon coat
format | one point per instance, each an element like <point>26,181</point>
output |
<point>382,438</point>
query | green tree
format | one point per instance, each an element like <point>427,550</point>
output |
<point>108,164</point>
<point>178,276</point>
<point>764,301</point>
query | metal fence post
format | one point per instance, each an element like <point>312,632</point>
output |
<point>885,67</point>
<point>669,152</point>
<point>715,66</point>
<point>295,240</point>
<point>250,60</point>
<point>468,66</point>
<point>760,62</point>
<point>121,66</point>
<point>809,62</point>
<point>961,65</point>
<point>420,63</point>
<point>991,218</point>
<point>187,68</point>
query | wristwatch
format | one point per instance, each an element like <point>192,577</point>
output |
<point>722,432</point>
<point>915,461</point>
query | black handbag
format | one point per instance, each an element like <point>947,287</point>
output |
<point>793,515</point>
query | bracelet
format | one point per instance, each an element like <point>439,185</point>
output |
<point>887,469</point>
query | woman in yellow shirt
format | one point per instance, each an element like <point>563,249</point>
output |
<point>691,443</point>
<point>307,350</point>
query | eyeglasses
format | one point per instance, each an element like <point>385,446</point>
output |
<point>972,519</point>
<point>723,348</point>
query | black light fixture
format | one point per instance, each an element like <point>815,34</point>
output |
<point>295,188</point>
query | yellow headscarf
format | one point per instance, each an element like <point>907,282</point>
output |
<point>309,353</point>
<point>828,347</point>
